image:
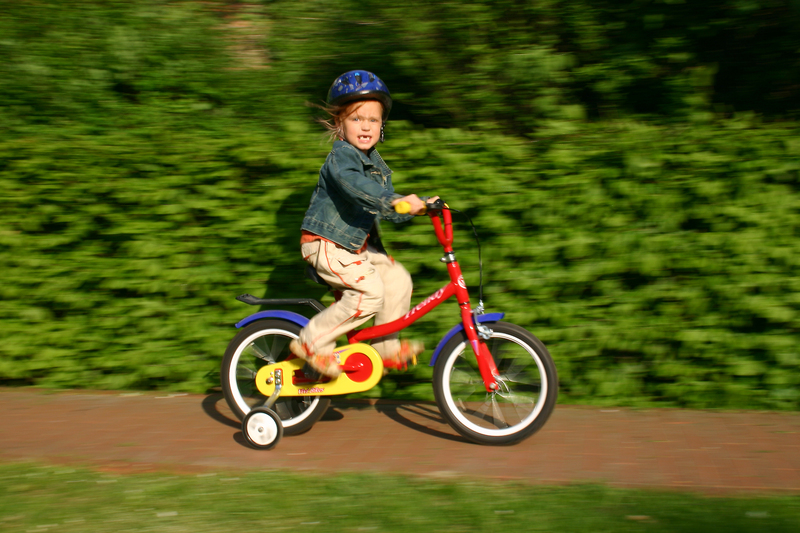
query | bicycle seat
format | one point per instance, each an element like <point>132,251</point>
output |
<point>311,273</point>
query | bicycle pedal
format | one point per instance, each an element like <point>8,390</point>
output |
<point>311,374</point>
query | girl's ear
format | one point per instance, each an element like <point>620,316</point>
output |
<point>339,127</point>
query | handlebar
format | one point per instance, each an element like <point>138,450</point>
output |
<point>404,207</point>
<point>442,228</point>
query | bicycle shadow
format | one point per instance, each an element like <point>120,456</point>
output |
<point>209,406</point>
<point>401,413</point>
<point>395,412</point>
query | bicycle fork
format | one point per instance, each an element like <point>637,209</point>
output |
<point>477,334</point>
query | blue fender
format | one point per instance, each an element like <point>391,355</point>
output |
<point>490,317</point>
<point>300,320</point>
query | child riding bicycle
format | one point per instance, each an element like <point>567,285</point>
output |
<point>354,191</point>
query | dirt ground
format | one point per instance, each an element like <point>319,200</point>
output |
<point>701,451</point>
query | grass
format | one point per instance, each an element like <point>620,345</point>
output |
<point>41,498</point>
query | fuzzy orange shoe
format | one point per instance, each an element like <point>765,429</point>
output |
<point>325,364</point>
<point>409,350</point>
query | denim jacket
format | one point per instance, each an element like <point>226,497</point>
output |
<point>352,192</point>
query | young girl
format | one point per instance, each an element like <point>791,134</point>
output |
<point>355,190</point>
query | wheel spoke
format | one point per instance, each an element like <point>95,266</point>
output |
<point>495,418</point>
<point>467,385</point>
<point>516,399</point>
<point>514,369</point>
<point>245,374</point>
<point>484,409</point>
<point>278,344</point>
<point>462,376</point>
<point>526,412</point>
<point>523,387</point>
<point>261,354</point>
<point>463,379</point>
<point>498,414</point>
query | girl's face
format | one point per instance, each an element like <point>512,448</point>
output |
<point>362,127</point>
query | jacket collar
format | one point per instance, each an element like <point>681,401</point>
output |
<point>366,159</point>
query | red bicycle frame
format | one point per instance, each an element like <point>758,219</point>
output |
<point>457,287</point>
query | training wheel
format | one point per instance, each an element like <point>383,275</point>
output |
<point>262,428</point>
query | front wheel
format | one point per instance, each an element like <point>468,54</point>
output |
<point>528,386</point>
<point>265,342</point>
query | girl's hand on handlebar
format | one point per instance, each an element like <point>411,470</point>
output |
<point>434,202</point>
<point>415,205</point>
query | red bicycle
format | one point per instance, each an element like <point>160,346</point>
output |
<point>494,382</point>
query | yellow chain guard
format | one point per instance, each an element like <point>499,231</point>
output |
<point>265,378</point>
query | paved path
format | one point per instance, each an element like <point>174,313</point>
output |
<point>710,452</point>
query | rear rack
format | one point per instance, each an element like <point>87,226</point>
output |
<point>252,300</point>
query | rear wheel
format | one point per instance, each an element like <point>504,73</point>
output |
<point>522,404</point>
<point>261,343</point>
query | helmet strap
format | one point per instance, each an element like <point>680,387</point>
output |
<point>383,125</point>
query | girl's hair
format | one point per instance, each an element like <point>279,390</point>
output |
<point>336,115</point>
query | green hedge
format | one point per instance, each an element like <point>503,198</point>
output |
<point>157,160</point>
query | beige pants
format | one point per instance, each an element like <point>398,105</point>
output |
<point>372,285</point>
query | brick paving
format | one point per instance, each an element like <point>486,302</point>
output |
<point>702,451</point>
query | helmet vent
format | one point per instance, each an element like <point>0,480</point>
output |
<point>358,78</point>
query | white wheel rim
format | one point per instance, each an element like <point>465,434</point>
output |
<point>455,410</point>
<point>262,429</point>
<point>234,387</point>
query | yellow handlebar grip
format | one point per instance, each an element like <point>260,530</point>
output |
<point>402,207</point>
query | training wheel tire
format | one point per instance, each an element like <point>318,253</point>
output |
<point>262,428</point>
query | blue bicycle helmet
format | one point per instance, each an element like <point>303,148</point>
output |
<point>360,85</point>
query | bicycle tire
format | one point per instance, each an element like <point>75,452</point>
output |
<point>523,403</point>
